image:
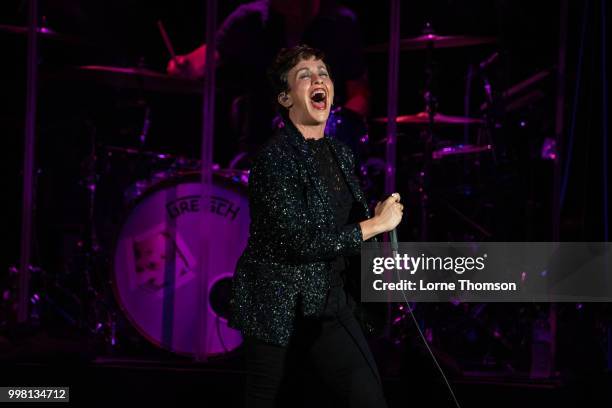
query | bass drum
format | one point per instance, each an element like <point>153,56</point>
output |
<point>155,273</point>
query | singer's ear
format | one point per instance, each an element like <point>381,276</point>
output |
<point>285,100</point>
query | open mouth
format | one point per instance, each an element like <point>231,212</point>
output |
<point>318,98</point>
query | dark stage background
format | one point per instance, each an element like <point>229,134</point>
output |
<point>503,194</point>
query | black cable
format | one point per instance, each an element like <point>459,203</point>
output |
<point>394,251</point>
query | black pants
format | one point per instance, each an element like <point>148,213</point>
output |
<point>332,347</point>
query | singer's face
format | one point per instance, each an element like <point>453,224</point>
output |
<point>311,92</point>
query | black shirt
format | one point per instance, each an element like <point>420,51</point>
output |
<point>340,197</point>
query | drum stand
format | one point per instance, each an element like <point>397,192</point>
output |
<point>431,106</point>
<point>427,135</point>
<point>96,317</point>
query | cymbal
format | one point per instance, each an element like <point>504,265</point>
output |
<point>44,32</point>
<point>131,151</point>
<point>434,40</point>
<point>422,118</point>
<point>459,149</point>
<point>137,78</point>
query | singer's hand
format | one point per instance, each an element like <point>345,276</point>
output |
<point>387,215</point>
<point>389,212</point>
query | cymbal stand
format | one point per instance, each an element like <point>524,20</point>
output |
<point>146,124</point>
<point>89,245</point>
<point>491,111</point>
<point>96,316</point>
<point>431,106</point>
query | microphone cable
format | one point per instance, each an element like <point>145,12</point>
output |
<point>395,251</point>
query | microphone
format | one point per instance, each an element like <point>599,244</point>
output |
<point>393,239</point>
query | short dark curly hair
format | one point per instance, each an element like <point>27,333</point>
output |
<point>286,59</point>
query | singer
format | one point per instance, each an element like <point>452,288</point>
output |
<point>308,214</point>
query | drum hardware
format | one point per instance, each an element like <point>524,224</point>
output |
<point>138,168</point>
<point>439,119</point>
<point>429,121</point>
<point>9,295</point>
<point>164,197</point>
<point>430,117</point>
<point>235,175</point>
<point>237,159</point>
<point>146,124</point>
<point>431,107</point>
<point>459,149</point>
<point>167,42</point>
<point>51,301</point>
<point>138,153</point>
<point>430,40</point>
<point>139,78</point>
<point>522,93</point>
<point>43,32</point>
<point>97,317</point>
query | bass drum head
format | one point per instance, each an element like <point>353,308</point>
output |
<point>155,274</point>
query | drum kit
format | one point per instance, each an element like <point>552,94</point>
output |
<point>437,142</point>
<point>154,246</point>
<point>137,259</point>
<point>466,156</point>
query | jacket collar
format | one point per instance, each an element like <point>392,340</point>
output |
<point>297,140</point>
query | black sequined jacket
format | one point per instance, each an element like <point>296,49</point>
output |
<point>285,268</point>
